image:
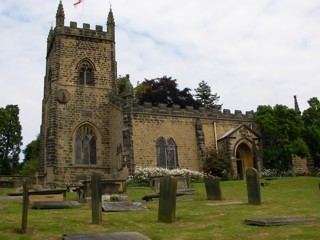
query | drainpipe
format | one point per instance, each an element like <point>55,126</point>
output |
<point>215,135</point>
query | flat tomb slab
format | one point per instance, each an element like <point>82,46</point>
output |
<point>54,204</point>
<point>105,236</point>
<point>278,221</point>
<point>123,206</point>
<point>225,203</point>
<point>47,197</point>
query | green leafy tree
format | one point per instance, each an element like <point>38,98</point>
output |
<point>205,96</point>
<point>164,90</point>
<point>281,130</point>
<point>10,139</point>
<point>311,136</point>
<point>124,85</point>
<point>31,156</point>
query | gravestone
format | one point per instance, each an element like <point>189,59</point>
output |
<point>96,204</point>
<point>167,199</point>
<point>253,186</point>
<point>188,179</point>
<point>213,188</point>
<point>24,208</point>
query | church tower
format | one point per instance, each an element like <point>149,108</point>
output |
<point>81,127</point>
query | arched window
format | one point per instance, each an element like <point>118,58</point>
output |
<point>86,76</point>
<point>172,154</point>
<point>161,152</point>
<point>85,144</point>
<point>167,153</point>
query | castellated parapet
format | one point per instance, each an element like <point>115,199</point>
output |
<point>189,111</point>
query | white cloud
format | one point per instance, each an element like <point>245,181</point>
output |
<point>250,52</point>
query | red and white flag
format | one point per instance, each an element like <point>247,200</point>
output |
<point>77,3</point>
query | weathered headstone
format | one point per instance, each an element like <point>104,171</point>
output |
<point>188,179</point>
<point>24,208</point>
<point>213,188</point>
<point>96,201</point>
<point>167,199</point>
<point>253,186</point>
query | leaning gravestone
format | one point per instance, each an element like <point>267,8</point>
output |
<point>253,186</point>
<point>213,188</point>
<point>96,200</point>
<point>167,199</point>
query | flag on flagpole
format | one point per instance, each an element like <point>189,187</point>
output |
<point>77,3</point>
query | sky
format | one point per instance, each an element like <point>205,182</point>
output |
<point>250,52</point>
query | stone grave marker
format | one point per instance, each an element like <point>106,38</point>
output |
<point>167,199</point>
<point>54,204</point>
<point>103,236</point>
<point>96,201</point>
<point>278,221</point>
<point>25,203</point>
<point>213,189</point>
<point>253,186</point>
<point>123,206</point>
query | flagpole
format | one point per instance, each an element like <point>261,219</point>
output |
<point>83,11</point>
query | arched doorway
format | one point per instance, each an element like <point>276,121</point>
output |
<point>244,159</point>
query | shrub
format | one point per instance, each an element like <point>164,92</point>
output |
<point>142,176</point>
<point>218,166</point>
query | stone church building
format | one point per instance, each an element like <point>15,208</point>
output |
<point>88,127</point>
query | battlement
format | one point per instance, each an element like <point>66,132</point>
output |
<point>85,31</point>
<point>189,111</point>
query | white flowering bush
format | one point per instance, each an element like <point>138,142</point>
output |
<point>142,175</point>
<point>276,173</point>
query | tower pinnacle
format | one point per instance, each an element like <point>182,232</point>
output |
<point>60,16</point>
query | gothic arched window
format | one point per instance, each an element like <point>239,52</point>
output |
<point>86,145</point>
<point>161,152</point>
<point>86,76</point>
<point>172,154</point>
<point>167,153</point>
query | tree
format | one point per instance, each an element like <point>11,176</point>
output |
<point>311,135</point>
<point>205,96</point>
<point>31,157</point>
<point>164,90</point>
<point>124,85</point>
<point>281,130</point>
<point>10,139</point>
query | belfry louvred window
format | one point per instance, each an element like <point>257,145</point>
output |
<point>167,153</point>
<point>86,145</point>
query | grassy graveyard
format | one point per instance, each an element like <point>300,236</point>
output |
<point>196,217</point>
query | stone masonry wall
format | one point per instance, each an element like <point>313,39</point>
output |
<point>151,123</point>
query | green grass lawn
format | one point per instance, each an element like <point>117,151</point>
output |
<point>195,217</point>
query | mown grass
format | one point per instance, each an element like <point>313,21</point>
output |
<point>195,217</point>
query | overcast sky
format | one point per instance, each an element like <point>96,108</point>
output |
<point>251,52</point>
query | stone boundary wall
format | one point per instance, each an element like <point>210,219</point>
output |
<point>15,181</point>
